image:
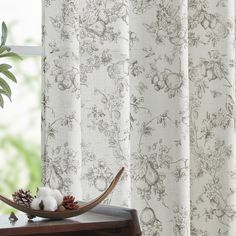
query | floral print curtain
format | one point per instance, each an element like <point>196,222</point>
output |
<point>148,85</point>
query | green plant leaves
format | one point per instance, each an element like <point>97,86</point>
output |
<point>4,85</point>
<point>4,48</point>
<point>8,74</point>
<point>1,101</point>
<point>4,34</point>
<point>5,90</point>
<point>11,54</point>
<point>4,67</point>
<point>5,52</point>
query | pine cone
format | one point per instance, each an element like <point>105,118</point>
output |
<point>69,203</point>
<point>22,197</point>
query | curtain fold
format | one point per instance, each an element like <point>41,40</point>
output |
<point>148,85</point>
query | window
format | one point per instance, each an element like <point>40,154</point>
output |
<point>20,120</point>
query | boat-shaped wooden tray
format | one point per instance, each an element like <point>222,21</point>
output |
<point>67,213</point>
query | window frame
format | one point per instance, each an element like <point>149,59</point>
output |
<point>26,50</point>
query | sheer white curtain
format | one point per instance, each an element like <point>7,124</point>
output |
<point>149,85</point>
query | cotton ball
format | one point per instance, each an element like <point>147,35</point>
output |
<point>35,203</point>
<point>44,191</point>
<point>57,195</point>
<point>50,203</point>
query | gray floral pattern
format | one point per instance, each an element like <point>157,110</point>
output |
<point>149,85</point>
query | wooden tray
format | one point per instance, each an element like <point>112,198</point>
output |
<point>67,213</point>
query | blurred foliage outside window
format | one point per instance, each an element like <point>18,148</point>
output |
<point>20,165</point>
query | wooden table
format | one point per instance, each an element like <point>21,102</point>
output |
<point>101,221</point>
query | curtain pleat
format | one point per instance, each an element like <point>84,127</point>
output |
<point>148,85</point>
<point>212,105</point>
<point>61,111</point>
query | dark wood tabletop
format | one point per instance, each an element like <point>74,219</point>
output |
<point>102,221</point>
